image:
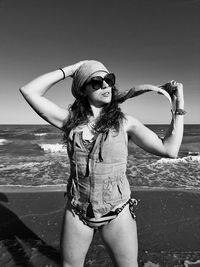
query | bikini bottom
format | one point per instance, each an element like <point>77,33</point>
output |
<point>105,219</point>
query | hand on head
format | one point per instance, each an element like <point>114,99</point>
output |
<point>76,66</point>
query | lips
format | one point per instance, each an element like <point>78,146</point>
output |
<point>106,94</point>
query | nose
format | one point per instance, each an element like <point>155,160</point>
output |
<point>105,85</point>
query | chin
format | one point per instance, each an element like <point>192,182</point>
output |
<point>101,102</point>
<point>106,100</point>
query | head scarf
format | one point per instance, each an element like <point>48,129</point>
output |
<point>81,75</point>
<point>144,88</point>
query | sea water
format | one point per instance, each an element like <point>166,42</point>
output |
<point>34,155</point>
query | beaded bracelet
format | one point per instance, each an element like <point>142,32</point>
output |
<point>63,73</point>
<point>179,111</point>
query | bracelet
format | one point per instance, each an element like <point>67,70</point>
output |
<point>63,73</point>
<point>179,111</point>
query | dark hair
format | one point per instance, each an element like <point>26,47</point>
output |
<point>110,118</point>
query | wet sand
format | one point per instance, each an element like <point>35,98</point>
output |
<point>30,224</point>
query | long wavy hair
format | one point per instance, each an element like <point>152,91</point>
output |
<point>110,117</point>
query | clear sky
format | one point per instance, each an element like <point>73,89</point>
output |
<point>141,41</point>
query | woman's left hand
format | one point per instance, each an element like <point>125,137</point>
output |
<point>175,90</point>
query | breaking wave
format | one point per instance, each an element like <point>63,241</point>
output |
<point>53,148</point>
<point>40,134</point>
<point>4,142</point>
<point>187,159</point>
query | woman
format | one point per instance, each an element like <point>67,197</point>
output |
<point>96,133</point>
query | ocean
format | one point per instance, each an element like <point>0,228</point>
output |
<point>33,155</point>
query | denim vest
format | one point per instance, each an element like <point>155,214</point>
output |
<point>98,177</point>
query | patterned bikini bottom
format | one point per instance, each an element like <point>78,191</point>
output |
<point>105,219</point>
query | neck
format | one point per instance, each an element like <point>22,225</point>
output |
<point>96,111</point>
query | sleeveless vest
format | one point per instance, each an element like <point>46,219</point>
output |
<point>98,178</point>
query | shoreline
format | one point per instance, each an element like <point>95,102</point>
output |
<point>27,188</point>
<point>62,187</point>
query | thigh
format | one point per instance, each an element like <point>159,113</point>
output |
<point>120,238</point>
<point>76,238</point>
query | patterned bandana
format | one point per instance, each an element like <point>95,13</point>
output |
<point>81,75</point>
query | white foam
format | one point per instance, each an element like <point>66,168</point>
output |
<point>40,134</point>
<point>178,160</point>
<point>53,148</point>
<point>188,263</point>
<point>3,142</point>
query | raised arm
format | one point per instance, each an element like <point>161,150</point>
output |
<point>35,90</point>
<point>149,141</point>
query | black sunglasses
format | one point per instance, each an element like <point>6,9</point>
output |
<point>97,81</point>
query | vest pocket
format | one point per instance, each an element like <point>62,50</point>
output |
<point>115,188</point>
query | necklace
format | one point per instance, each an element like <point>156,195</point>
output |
<point>91,126</point>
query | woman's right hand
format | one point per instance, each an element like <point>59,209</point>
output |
<point>70,70</point>
<point>34,92</point>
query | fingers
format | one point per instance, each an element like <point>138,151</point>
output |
<point>177,91</point>
<point>172,86</point>
<point>76,66</point>
<point>81,62</point>
<point>175,84</point>
<point>174,89</point>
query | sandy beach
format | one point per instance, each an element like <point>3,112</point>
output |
<point>30,223</point>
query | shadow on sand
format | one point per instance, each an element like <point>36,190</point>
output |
<point>20,245</point>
